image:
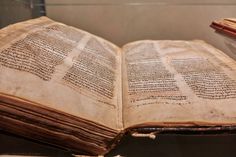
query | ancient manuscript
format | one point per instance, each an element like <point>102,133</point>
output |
<point>67,87</point>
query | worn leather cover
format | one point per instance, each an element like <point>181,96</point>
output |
<point>228,27</point>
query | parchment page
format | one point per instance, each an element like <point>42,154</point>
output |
<point>177,83</point>
<point>63,68</point>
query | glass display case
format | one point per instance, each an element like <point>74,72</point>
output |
<point>125,21</point>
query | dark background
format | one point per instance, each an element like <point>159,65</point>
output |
<point>12,11</point>
<point>221,145</point>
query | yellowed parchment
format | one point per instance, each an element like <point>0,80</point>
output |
<point>63,68</point>
<point>177,83</point>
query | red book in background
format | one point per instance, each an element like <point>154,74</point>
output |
<point>226,26</point>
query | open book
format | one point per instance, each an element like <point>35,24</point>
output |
<point>66,87</point>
